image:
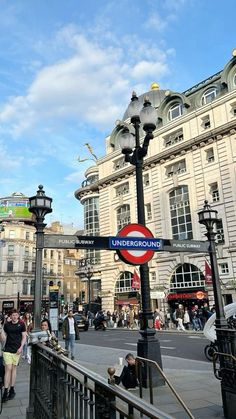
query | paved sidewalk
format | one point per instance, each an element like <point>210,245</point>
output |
<point>193,380</point>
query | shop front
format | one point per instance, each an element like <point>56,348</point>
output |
<point>187,298</point>
<point>7,306</point>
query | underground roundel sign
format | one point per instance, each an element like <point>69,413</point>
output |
<point>137,242</point>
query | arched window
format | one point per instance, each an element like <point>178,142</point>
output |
<point>181,223</point>
<point>123,284</point>
<point>234,80</point>
<point>187,276</point>
<point>123,216</point>
<point>209,95</point>
<point>175,111</point>
<point>25,287</point>
<point>32,286</point>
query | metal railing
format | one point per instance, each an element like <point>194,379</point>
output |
<point>63,389</point>
<point>150,366</point>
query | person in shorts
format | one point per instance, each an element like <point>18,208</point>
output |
<point>15,331</point>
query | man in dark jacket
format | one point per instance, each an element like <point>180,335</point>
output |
<point>128,376</point>
<point>70,333</point>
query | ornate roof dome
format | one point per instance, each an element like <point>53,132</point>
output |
<point>155,96</point>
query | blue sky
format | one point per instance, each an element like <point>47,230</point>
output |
<point>67,70</point>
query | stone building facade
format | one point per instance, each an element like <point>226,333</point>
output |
<point>191,158</point>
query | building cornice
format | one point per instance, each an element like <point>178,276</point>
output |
<point>171,153</point>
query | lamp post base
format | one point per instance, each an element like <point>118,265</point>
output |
<point>149,347</point>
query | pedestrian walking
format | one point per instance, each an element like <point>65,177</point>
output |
<point>180,317</point>
<point>27,319</point>
<point>186,318</point>
<point>70,333</point>
<point>2,342</point>
<point>15,339</point>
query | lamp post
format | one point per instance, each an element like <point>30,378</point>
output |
<point>208,217</point>
<point>40,206</point>
<point>226,337</point>
<point>89,273</point>
<point>129,137</point>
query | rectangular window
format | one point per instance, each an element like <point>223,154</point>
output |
<point>122,189</point>
<point>59,255</point>
<point>33,266</point>
<point>176,168</point>
<point>206,123</point>
<point>11,249</point>
<point>210,155</point>
<point>26,266</point>
<point>27,235</point>
<point>224,268</point>
<point>34,252</point>
<point>214,191</point>
<point>12,234</point>
<point>148,209</point>
<point>52,254</point>
<point>51,269</point>
<point>220,237</point>
<point>119,163</point>
<point>174,138</point>
<point>10,265</point>
<point>233,109</point>
<point>26,250</point>
<point>146,181</point>
<point>45,253</point>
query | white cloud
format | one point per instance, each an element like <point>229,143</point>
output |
<point>91,86</point>
<point>151,69</point>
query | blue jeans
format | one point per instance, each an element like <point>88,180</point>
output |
<point>70,343</point>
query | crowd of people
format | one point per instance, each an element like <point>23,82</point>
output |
<point>183,318</point>
<point>180,317</point>
<point>15,330</point>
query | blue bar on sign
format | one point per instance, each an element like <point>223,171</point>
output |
<point>135,243</point>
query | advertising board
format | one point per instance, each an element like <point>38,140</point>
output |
<point>14,208</point>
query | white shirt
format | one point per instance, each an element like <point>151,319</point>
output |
<point>71,326</point>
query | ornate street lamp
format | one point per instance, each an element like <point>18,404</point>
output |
<point>129,138</point>
<point>208,217</point>
<point>40,206</point>
<point>88,269</point>
<point>225,336</point>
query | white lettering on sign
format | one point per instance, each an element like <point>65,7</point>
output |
<point>135,243</point>
<point>84,242</point>
<point>186,245</point>
<point>60,241</point>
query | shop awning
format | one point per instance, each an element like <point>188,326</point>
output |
<point>126,302</point>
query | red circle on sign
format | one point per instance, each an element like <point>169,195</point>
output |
<point>135,257</point>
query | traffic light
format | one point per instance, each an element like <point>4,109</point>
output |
<point>62,300</point>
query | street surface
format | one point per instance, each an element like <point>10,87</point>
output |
<point>175,344</point>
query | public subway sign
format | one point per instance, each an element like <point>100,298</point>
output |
<point>131,238</point>
<point>59,241</point>
<point>195,246</point>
